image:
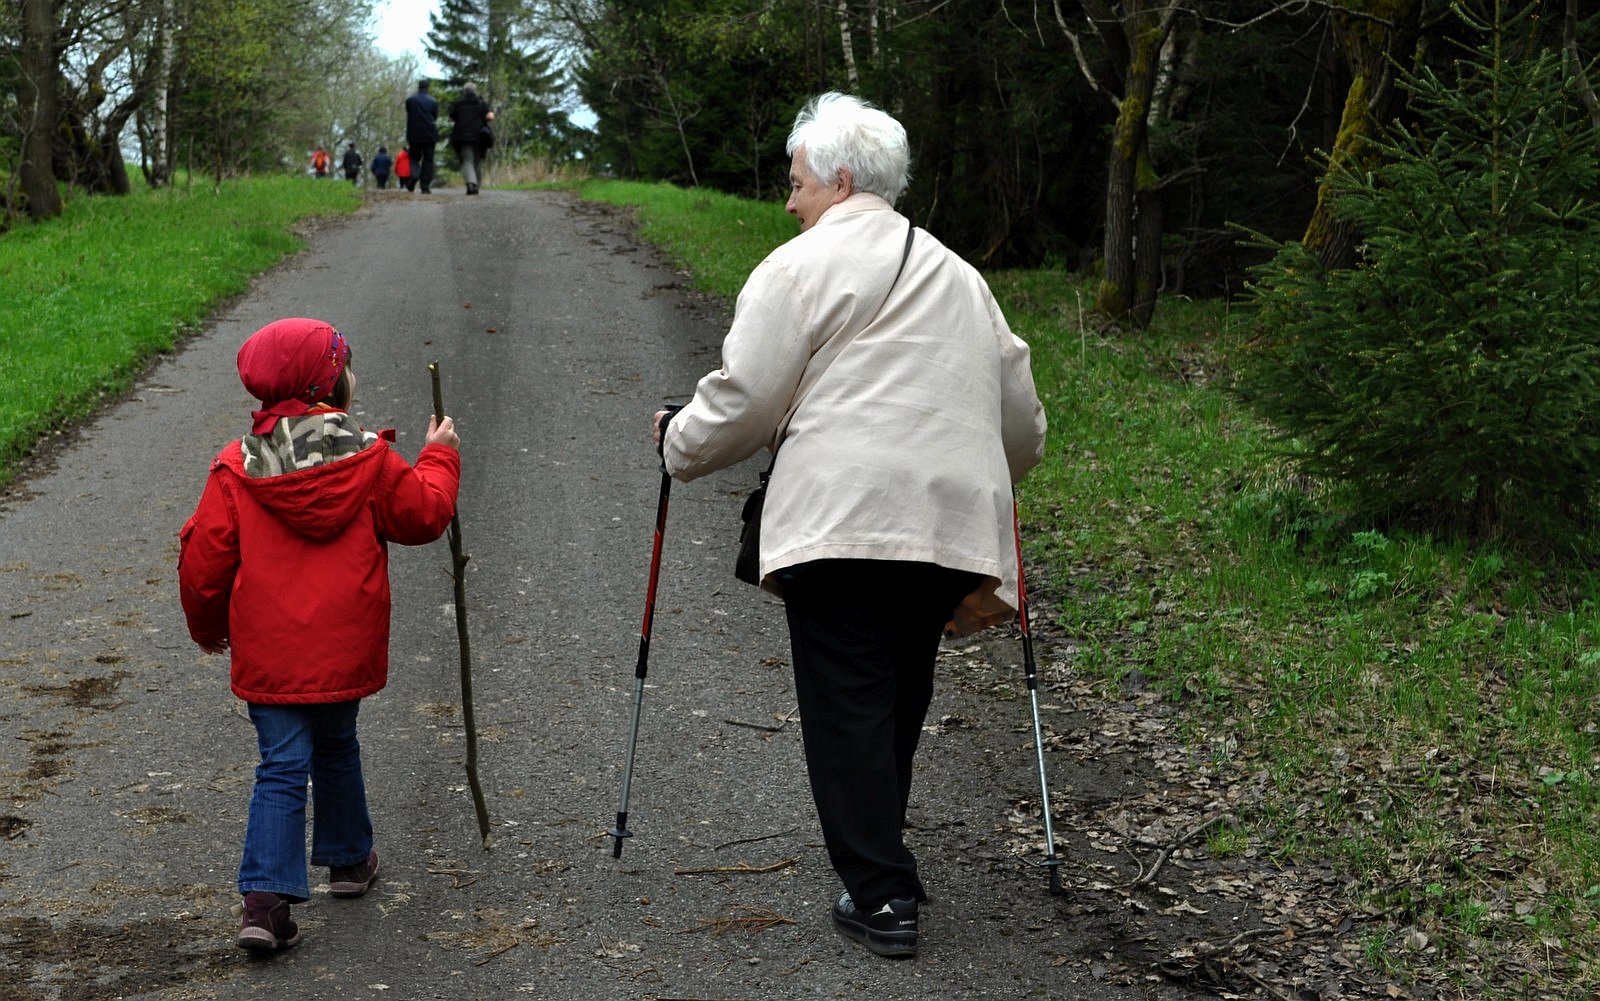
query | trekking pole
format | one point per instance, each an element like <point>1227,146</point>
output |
<point>458,565</point>
<point>1031,672</point>
<point>642,667</point>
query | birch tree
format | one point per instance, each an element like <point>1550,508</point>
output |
<point>152,118</point>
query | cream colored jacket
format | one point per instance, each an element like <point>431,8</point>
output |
<point>898,432</point>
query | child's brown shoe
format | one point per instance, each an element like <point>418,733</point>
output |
<point>266,926</point>
<point>353,880</point>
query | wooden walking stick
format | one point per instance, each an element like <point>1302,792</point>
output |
<point>458,561</point>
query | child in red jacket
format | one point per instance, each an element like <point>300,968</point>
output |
<point>285,563</point>
<point>402,169</point>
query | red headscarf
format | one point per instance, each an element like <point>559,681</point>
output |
<point>290,366</point>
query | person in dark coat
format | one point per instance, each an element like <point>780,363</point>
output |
<point>470,116</point>
<point>351,163</point>
<point>380,167</point>
<point>422,133</point>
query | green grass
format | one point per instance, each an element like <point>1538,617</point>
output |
<point>719,237</point>
<point>92,295</point>
<point>1421,713</point>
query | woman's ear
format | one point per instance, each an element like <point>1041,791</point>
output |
<point>846,185</point>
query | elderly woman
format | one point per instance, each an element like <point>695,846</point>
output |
<point>876,366</point>
<point>471,116</point>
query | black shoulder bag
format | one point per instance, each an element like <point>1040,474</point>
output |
<point>747,567</point>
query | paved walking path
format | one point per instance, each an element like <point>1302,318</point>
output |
<point>125,763</point>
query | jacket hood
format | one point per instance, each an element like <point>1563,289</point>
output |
<point>317,502</point>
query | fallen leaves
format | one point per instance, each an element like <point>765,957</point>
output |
<point>1162,863</point>
<point>493,931</point>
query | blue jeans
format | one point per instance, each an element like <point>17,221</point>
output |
<point>300,742</point>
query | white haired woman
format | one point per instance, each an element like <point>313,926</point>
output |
<point>900,409</point>
<point>471,117</point>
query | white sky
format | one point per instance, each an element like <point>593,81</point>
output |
<point>400,26</point>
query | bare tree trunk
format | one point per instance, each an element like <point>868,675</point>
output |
<point>219,136</point>
<point>156,133</point>
<point>36,96</point>
<point>101,167</point>
<point>498,85</point>
<point>848,44</point>
<point>1115,295</point>
<point>1151,222</point>
<point>1137,36</point>
<point>1580,77</point>
<point>1373,34</point>
<point>680,118</point>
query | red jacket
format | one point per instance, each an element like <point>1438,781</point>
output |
<point>402,164</point>
<point>292,571</point>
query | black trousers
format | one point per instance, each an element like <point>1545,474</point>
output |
<point>422,165</point>
<point>864,635</point>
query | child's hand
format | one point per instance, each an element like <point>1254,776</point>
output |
<point>215,646</point>
<point>443,434</point>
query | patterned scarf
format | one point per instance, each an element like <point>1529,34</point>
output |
<point>325,435</point>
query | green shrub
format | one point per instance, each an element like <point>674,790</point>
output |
<point>1452,372</point>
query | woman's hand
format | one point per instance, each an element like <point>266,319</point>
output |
<point>657,423</point>
<point>658,426</point>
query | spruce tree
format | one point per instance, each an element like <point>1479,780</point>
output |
<point>1454,372</point>
<point>458,41</point>
<point>481,42</point>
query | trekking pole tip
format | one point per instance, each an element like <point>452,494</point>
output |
<point>618,833</point>
<point>1054,863</point>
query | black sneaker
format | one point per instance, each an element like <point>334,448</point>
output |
<point>889,931</point>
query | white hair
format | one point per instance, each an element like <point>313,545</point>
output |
<point>840,131</point>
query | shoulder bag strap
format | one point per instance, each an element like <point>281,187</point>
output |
<point>905,255</point>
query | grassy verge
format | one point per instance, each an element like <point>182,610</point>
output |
<point>1419,713</point>
<point>93,294</point>
<point>718,237</point>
